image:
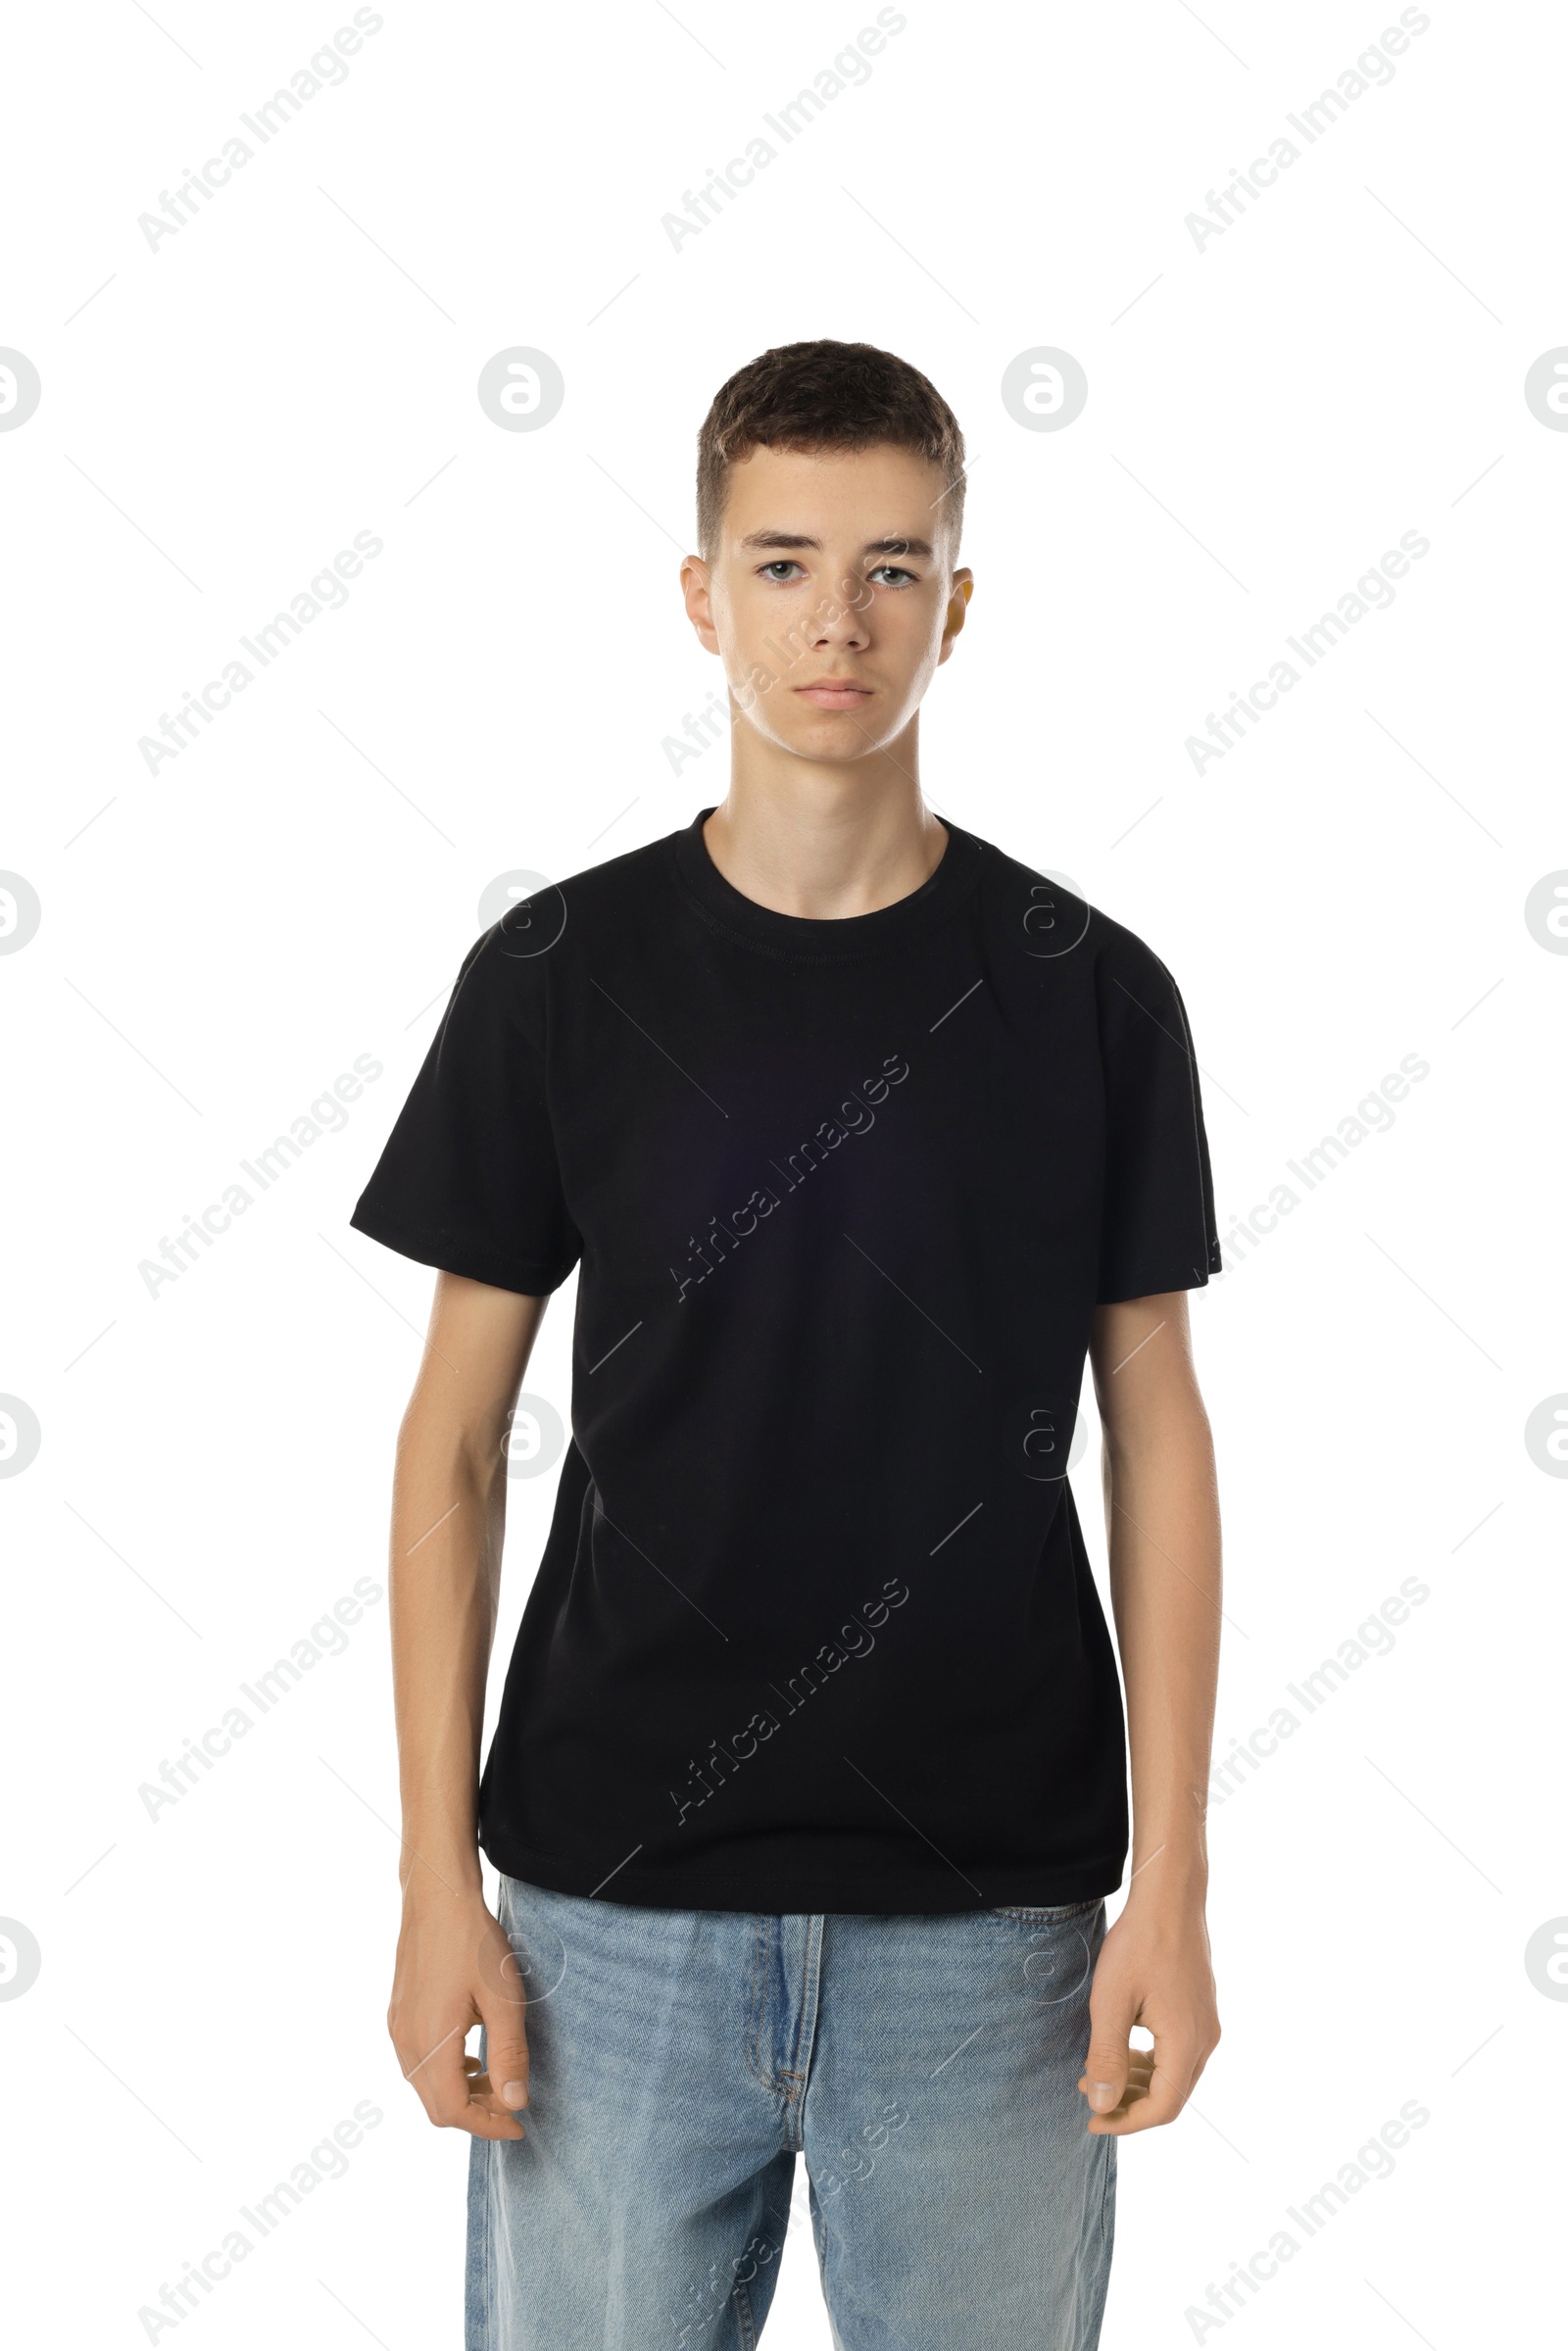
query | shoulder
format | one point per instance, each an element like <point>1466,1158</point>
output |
<point>548,924</point>
<point>593,898</point>
<point>1045,919</point>
<point>616,886</point>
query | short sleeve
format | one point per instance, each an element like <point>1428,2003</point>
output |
<point>1158,1229</point>
<point>469,1179</point>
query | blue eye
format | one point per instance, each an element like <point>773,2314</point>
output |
<point>898,571</point>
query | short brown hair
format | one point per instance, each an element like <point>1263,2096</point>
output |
<point>824,396</point>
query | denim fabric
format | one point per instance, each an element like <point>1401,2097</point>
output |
<point>681,2059</point>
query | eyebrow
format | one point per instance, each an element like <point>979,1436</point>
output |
<point>793,539</point>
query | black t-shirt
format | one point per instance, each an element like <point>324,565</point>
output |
<point>814,1629</point>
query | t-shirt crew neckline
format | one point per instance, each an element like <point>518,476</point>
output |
<point>808,938</point>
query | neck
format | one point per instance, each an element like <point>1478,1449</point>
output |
<point>825,843</point>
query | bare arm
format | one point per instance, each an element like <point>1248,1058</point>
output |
<point>454,1963</point>
<point>1162,1520</point>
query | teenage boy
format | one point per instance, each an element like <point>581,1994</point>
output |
<point>809,1780</point>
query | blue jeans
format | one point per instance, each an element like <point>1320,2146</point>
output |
<point>681,2059</point>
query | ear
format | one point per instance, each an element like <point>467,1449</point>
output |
<point>958,596</point>
<point>696,589</point>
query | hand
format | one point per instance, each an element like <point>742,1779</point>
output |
<point>456,1969</point>
<point>1153,1970</point>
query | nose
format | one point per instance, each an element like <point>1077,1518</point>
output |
<point>848,623</point>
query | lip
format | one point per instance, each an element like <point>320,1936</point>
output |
<point>834,693</point>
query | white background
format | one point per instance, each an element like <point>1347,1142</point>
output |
<point>218,940</point>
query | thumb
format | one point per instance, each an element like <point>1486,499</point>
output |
<point>506,2050</point>
<point>1105,2075</point>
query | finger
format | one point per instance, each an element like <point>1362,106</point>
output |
<point>506,2049</point>
<point>487,2117</point>
<point>1140,2075</point>
<point>483,2092</point>
<point>1104,2075</point>
<point>1168,2089</point>
<point>430,2072</point>
<point>441,2077</point>
<point>1132,2098</point>
<point>479,2123</point>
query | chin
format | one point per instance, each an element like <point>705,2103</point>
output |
<point>844,733</point>
<point>834,746</point>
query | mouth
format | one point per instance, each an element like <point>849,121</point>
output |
<point>834,694</point>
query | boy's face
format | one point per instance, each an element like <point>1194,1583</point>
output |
<point>831,596</point>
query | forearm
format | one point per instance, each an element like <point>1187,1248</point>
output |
<point>448,1520</point>
<point>454,1964</point>
<point>1162,1519</point>
<point>1162,1522</point>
